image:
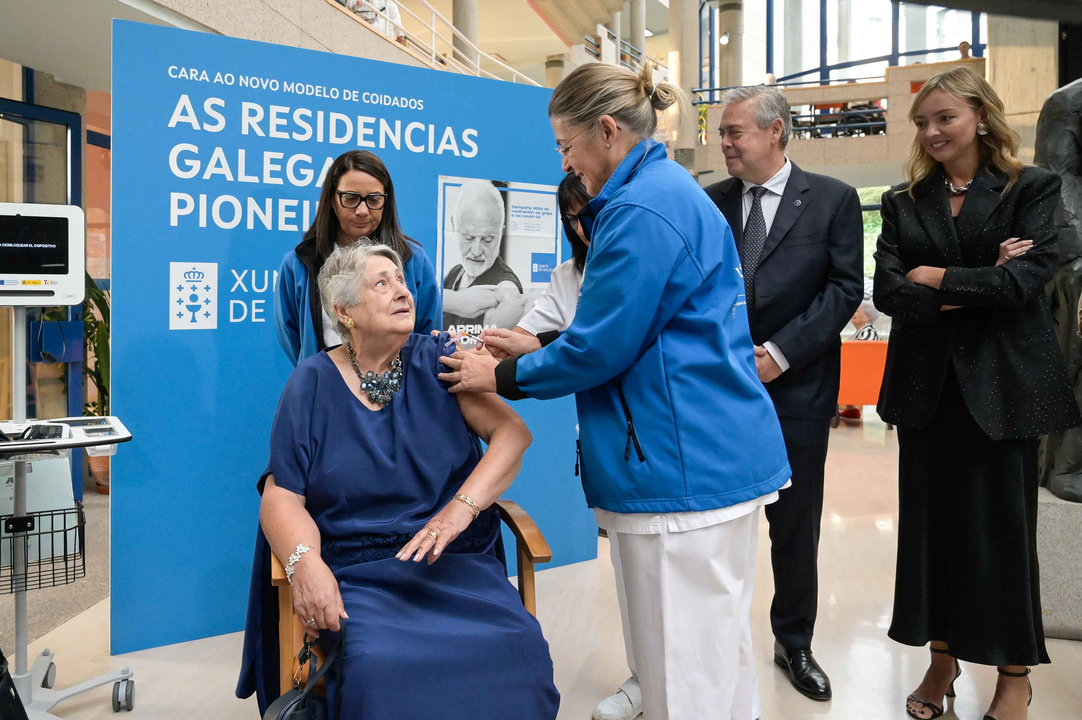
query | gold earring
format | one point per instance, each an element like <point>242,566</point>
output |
<point>982,128</point>
<point>348,322</point>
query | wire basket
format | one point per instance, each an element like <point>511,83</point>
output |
<point>42,549</point>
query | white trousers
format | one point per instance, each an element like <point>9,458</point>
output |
<point>685,604</point>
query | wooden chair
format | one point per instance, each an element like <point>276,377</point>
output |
<point>863,362</point>
<point>532,549</point>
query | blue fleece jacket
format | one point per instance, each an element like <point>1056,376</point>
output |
<point>662,323</point>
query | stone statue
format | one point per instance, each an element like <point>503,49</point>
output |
<point>1059,149</point>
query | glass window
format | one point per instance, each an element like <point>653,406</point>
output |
<point>931,27</point>
<point>33,168</point>
<point>796,39</point>
<point>858,30</point>
<point>873,223</point>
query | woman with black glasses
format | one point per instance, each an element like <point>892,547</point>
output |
<point>357,201</point>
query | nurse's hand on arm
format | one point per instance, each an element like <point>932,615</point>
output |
<point>503,344</point>
<point>471,371</point>
<point>287,524</point>
<point>507,437</point>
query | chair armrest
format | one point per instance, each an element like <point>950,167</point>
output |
<point>291,630</point>
<point>278,573</point>
<point>526,532</point>
<point>530,548</point>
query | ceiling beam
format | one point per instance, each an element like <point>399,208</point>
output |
<point>573,19</point>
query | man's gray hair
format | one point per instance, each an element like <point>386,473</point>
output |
<point>342,274</point>
<point>770,105</point>
<point>477,193</point>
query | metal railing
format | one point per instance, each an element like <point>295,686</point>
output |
<point>866,61</point>
<point>852,119</point>
<point>636,57</point>
<point>714,93</point>
<point>433,37</point>
<point>592,45</point>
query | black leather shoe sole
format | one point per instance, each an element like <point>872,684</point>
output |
<point>810,694</point>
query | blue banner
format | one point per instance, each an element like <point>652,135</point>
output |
<point>219,149</point>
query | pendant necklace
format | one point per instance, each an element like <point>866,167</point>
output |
<point>379,387</point>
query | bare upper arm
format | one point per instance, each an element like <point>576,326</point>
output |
<point>485,412</point>
<point>273,494</point>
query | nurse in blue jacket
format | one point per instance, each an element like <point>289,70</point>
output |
<point>357,201</point>
<point>680,442</point>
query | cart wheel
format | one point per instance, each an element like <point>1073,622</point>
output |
<point>123,695</point>
<point>50,676</point>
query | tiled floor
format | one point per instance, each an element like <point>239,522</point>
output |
<point>871,675</point>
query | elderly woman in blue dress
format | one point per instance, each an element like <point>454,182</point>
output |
<point>378,497</point>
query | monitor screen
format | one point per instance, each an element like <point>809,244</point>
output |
<point>33,245</point>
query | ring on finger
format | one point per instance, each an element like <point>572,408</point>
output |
<point>310,622</point>
<point>435,535</point>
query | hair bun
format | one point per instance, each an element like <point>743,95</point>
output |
<point>646,80</point>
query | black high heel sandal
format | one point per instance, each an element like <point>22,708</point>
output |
<point>1024,674</point>
<point>936,710</point>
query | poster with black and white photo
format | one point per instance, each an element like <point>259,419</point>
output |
<point>498,243</point>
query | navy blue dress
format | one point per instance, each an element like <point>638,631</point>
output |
<point>448,640</point>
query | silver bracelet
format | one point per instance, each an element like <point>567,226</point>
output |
<point>469,503</point>
<point>301,550</point>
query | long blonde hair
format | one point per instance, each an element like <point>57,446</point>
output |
<point>631,98</point>
<point>998,149</point>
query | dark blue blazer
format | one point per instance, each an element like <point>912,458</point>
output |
<point>809,283</point>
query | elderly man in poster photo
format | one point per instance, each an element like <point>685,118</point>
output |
<point>475,291</point>
<point>800,237</point>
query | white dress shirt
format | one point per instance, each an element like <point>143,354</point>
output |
<point>770,201</point>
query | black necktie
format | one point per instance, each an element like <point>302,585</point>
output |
<point>754,240</point>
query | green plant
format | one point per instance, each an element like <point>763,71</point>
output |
<point>96,334</point>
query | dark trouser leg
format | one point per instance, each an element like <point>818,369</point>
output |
<point>794,533</point>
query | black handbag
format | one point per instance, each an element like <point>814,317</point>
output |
<point>11,707</point>
<point>300,703</point>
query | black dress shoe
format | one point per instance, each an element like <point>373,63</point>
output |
<point>805,674</point>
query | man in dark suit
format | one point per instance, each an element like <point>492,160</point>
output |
<point>800,237</point>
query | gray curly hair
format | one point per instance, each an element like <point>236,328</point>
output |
<point>342,274</point>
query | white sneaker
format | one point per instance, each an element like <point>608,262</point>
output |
<point>626,704</point>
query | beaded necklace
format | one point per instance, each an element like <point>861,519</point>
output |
<point>380,387</point>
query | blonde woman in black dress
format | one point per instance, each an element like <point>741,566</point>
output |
<point>974,376</point>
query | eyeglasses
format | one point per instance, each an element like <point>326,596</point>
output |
<point>571,219</point>
<point>350,200</point>
<point>566,148</point>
